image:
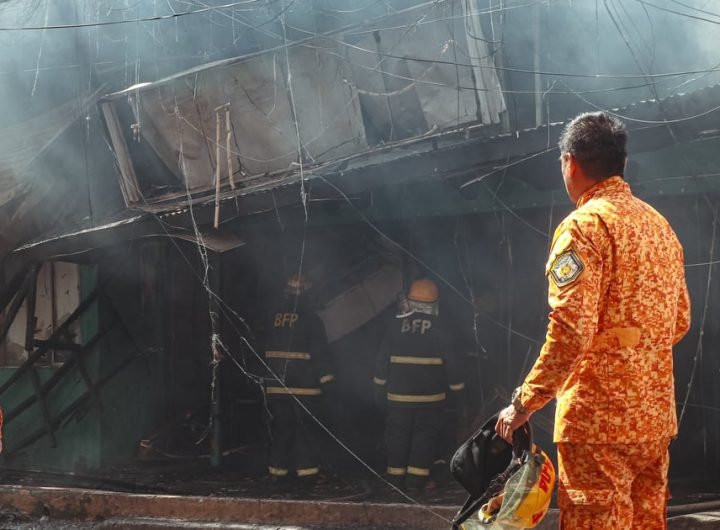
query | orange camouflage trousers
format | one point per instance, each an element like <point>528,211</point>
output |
<point>613,486</point>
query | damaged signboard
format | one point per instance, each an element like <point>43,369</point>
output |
<point>234,123</point>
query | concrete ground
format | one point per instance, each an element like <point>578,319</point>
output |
<point>69,508</point>
<point>193,496</point>
<point>36,508</point>
<point>699,521</point>
<point>172,493</point>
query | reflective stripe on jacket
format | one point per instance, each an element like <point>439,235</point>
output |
<point>416,362</point>
<point>296,353</point>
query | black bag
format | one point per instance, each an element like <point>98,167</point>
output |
<point>483,464</point>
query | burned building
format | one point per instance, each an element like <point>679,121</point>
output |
<point>168,187</point>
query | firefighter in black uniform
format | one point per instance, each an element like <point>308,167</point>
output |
<point>416,373</point>
<point>296,352</point>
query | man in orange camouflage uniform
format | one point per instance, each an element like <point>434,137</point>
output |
<point>619,303</point>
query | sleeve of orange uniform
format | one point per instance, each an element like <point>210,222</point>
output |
<point>574,308</point>
<point>682,320</point>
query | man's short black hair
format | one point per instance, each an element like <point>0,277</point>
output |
<point>598,141</point>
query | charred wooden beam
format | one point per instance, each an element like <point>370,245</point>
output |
<point>12,287</point>
<point>15,305</point>
<point>56,377</point>
<point>35,355</point>
<point>71,409</point>
<point>77,354</point>
<point>58,345</point>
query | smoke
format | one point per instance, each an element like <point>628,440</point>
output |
<point>607,47</point>
<point>601,53</point>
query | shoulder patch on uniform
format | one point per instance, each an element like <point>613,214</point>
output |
<point>566,268</point>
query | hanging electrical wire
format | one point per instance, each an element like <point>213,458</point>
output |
<point>129,21</point>
<point>713,207</point>
<point>679,13</point>
<point>506,69</point>
<point>701,336</point>
<point>304,176</point>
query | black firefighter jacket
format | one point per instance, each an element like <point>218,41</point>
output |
<point>295,351</point>
<point>416,364</point>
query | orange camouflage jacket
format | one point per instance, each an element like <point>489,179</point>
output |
<point>619,303</point>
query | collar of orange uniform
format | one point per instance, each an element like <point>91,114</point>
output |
<point>603,188</point>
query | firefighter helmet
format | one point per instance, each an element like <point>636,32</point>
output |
<point>423,290</point>
<point>525,499</point>
<point>508,484</point>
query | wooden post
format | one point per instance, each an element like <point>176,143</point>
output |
<point>217,168</point>
<point>228,147</point>
<point>218,110</point>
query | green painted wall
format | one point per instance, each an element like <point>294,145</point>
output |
<point>77,440</point>
<point>132,401</point>
<point>77,447</point>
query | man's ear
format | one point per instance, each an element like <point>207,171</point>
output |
<point>572,164</point>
